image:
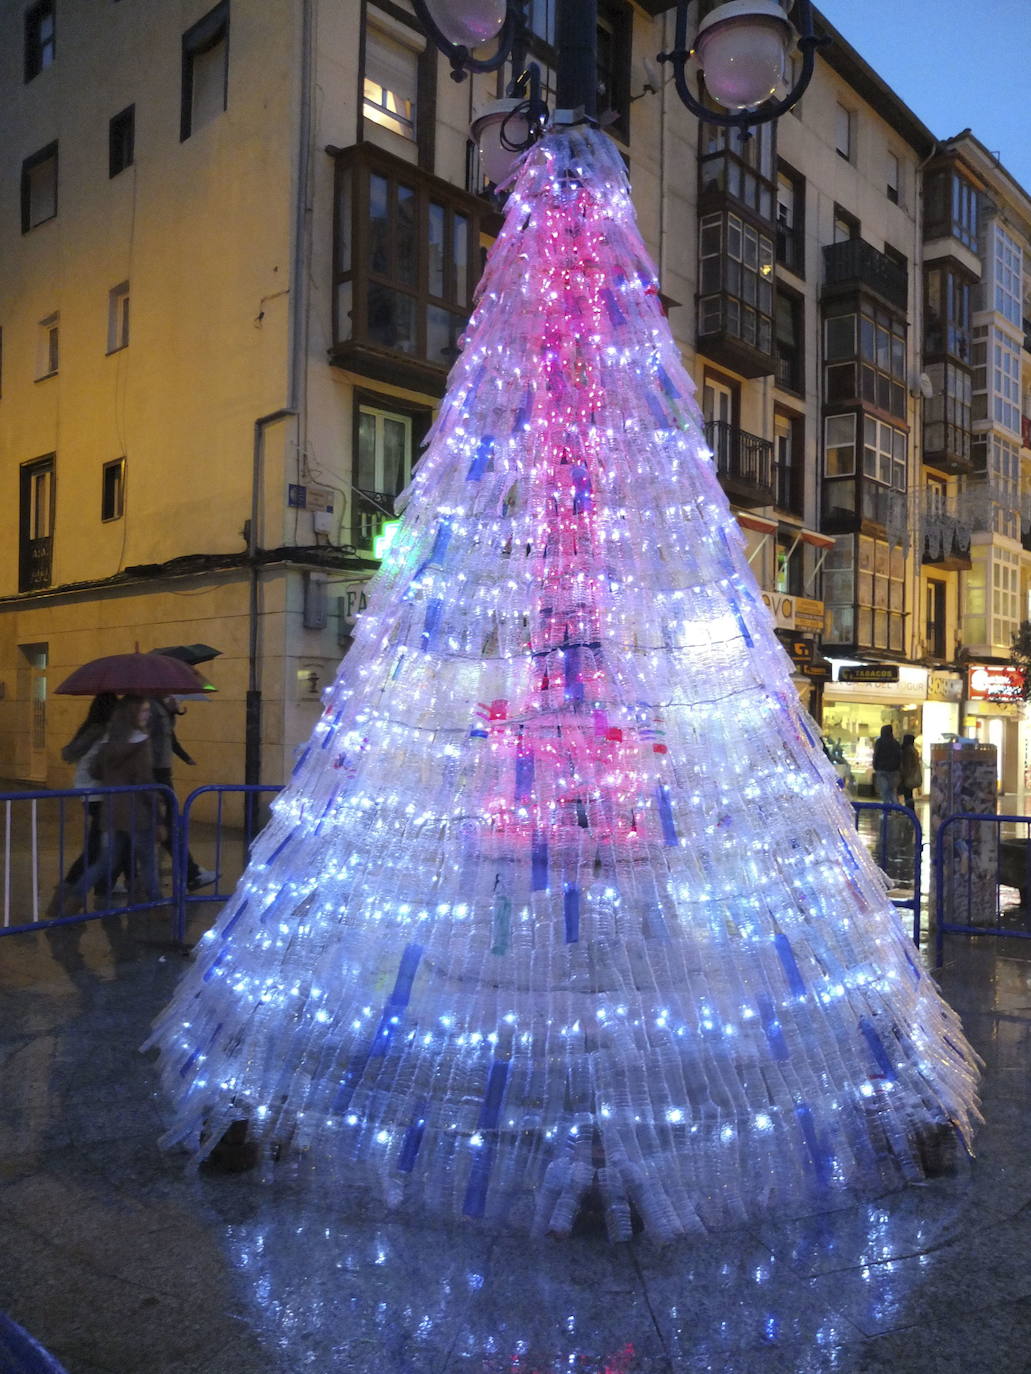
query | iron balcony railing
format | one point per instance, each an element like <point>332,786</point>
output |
<point>742,458</point>
<point>856,262</point>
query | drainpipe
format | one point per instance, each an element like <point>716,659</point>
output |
<point>297,327</point>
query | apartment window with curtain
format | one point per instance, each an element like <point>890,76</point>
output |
<point>205,71</point>
<point>790,219</point>
<point>390,83</point>
<point>385,447</point>
<point>40,38</point>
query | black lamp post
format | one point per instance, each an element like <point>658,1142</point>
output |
<point>740,46</point>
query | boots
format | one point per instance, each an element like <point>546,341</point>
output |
<point>66,901</point>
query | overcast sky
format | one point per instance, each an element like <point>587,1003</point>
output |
<point>955,63</point>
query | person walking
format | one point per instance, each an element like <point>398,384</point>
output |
<point>911,772</point>
<point>122,759</point>
<point>887,765</point>
<point>81,750</point>
<point>164,743</point>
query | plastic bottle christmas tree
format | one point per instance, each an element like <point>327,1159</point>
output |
<point>563,899</point>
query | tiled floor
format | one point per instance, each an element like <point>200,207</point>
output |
<point>120,1262</point>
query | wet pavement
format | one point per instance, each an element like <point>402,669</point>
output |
<point>120,1261</point>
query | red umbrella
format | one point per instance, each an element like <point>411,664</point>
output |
<point>144,675</point>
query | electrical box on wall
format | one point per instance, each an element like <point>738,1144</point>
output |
<point>315,610</point>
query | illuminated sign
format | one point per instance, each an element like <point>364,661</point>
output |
<point>994,682</point>
<point>870,672</point>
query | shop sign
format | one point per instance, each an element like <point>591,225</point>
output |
<point>818,668</point>
<point>781,606</point>
<point>808,614</point>
<point>994,682</point>
<point>870,672</point>
<point>944,687</point>
<point>799,650</point>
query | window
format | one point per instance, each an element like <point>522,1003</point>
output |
<point>40,38</point>
<point>391,82</point>
<point>791,219</point>
<point>868,483</point>
<point>893,178</point>
<point>205,71</point>
<point>48,352</point>
<point>740,165</point>
<point>947,414</point>
<point>877,376</point>
<point>839,445</point>
<point>790,334</point>
<point>934,618</point>
<point>735,276</point>
<point>789,462</point>
<point>613,53</point>
<point>846,226</point>
<point>843,132</point>
<point>384,450</point>
<point>950,207</point>
<point>118,317</point>
<point>121,141</point>
<point>406,263</point>
<point>39,187</point>
<point>864,594</point>
<point>36,524</point>
<point>614,46</point>
<point>946,312</point>
<point>996,381</point>
<point>1005,269</point>
<point>112,490</point>
<point>788,574</point>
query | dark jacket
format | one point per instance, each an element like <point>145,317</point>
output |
<point>912,769</point>
<point>887,754</point>
<point>124,764</point>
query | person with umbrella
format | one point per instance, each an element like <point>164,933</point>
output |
<point>164,710</point>
<point>164,743</point>
<point>138,676</point>
<point>123,759</point>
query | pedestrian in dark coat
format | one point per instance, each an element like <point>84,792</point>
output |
<point>911,770</point>
<point>887,765</point>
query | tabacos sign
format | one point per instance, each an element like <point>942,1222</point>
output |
<point>994,682</point>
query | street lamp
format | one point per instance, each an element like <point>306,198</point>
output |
<point>741,48</point>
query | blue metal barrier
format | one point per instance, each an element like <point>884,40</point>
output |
<point>972,885</point>
<point>885,843</point>
<point>250,791</point>
<point>82,796</point>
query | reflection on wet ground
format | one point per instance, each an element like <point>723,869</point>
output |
<point>119,1261</point>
